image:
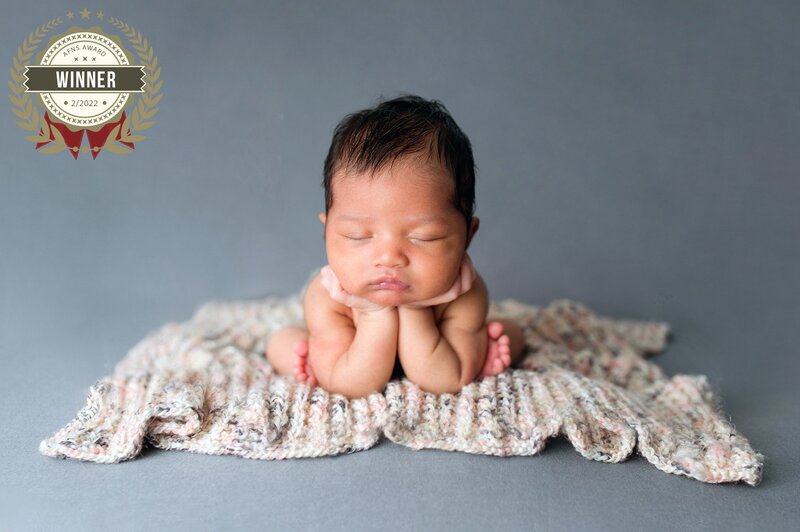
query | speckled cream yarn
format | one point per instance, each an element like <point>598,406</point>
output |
<point>204,386</point>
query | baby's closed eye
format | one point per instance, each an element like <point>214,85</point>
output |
<point>427,238</point>
<point>416,238</point>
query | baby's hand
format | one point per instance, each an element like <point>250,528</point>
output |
<point>337,293</point>
<point>463,283</point>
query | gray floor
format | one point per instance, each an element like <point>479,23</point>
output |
<point>640,157</point>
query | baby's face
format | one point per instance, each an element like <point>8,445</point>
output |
<point>401,224</point>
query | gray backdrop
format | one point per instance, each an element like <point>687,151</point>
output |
<point>640,157</point>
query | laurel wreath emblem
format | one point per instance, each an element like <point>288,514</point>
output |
<point>32,119</point>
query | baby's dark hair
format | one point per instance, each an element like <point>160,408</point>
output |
<point>369,139</point>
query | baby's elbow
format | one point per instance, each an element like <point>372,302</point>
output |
<point>442,386</point>
<point>456,388</point>
<point>463,375</point>
<point>353,386</point>
<point>358,391</point>
<point>452,390</point>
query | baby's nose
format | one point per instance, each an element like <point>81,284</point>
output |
<point>390,256</point>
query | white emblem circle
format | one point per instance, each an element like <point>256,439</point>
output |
<point>84,109</point>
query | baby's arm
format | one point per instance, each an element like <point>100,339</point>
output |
<point>445,358</point>
<point>352,362</point>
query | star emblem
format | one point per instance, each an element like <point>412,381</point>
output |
<point>85,13</point>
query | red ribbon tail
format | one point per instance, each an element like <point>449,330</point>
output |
<point>97,139</point>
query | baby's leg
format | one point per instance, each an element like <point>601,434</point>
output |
<point>504,348</point>
<point>287,352</point>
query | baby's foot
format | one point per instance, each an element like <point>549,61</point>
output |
<point>302,369</point>
<point>498,351</point>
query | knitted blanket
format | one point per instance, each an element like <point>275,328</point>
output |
<point>205,386</point>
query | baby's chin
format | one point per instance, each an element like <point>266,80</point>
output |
<point>388,298</point>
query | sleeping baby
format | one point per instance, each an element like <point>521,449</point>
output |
<point>399,296</point>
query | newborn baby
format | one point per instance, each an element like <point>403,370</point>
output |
<point>399,296</point>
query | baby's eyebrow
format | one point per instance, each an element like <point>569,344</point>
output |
<point>419,219</point>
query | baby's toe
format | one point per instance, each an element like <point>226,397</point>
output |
<point>506,358</point>
<point>498,366</point>
<point>301,348</point>
<point>495,329</point>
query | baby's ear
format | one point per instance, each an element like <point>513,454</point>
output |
<point>322,217</point>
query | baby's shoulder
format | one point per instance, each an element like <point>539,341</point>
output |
<point>471,307</point>
<point>479,287</point>
<point>318,304</point>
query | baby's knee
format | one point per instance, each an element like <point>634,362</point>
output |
<point>285,338</point>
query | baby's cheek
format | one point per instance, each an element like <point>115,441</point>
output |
<point>342,270</point>
<point>352,286</point>
<point>356,286</point>
<point>441,283</point>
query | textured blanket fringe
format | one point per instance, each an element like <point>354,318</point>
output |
<point>204,386</point>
